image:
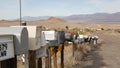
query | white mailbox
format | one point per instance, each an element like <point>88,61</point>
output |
<point>6,47</point>
<point>49,35</point>
<point>35,40</point>
<point>20,38</point>
<point>34,35</point>
<point>54,37</point>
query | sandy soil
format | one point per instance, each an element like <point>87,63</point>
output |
<point>105,56</point>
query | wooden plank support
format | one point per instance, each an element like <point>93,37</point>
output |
<point>55,59</point>
<point>62,56</point>
<point>39,63</point>
<point>73,48</point>
<point>49,58</point>
<point>46,62</point>
<point>32,59</point>
<point>10,63</point>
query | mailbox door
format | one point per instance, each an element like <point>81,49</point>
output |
<point>6,47</point>
<point>60,37</point>
<point>34,37</point>
<point>49,35</point>
<point>38,37</point>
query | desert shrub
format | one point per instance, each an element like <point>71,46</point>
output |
<point>89,30</point>
<point>102,29</point>
<point>117,30</point>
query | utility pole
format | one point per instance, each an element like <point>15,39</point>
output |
<point>20,12</point>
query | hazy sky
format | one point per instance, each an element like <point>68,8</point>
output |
<point>9,9</point>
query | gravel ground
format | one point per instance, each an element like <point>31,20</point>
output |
<point>105,56</point>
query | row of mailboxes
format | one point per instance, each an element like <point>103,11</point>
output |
<point>26,38</point>
<point>32,37</point>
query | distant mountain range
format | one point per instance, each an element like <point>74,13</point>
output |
<point>29,18</point>
<point>97,17</point>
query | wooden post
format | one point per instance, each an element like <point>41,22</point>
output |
<point>62,56</point>
<point>39,63</point>
<point>46,58</point>
<point>46,62</point>
<point>32,59</point>
<point>73,48</point>
<point>0,64</point>
<point>49,57</point>
<point>10,63</point>
<point>55,59</point>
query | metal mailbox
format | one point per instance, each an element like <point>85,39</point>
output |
<point>34,36</point>
<point>60,37</point>
<point>35,39</point>
<point>50,37</point>
<point>20,38</point>
<point>68,36</point>
<point>6,47</point>
<point>54,37</point>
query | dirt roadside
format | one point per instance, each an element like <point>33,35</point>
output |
<point>105,56</point>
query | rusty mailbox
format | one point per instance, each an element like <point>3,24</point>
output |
<point>20,38</point>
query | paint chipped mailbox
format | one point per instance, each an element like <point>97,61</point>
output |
<point>6,47</point>
<point>20,38</point>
